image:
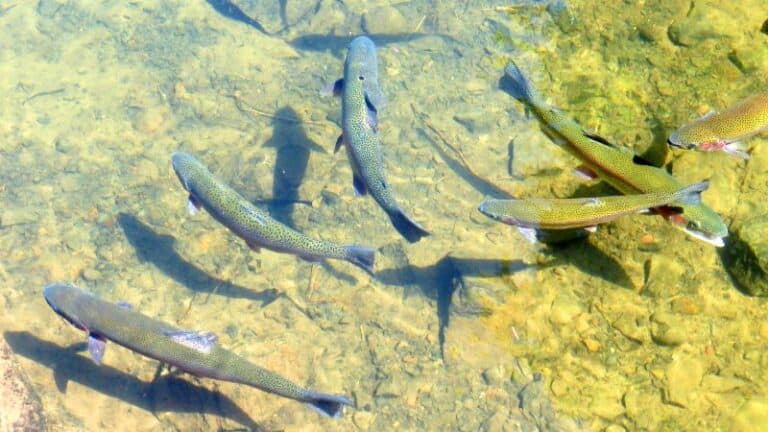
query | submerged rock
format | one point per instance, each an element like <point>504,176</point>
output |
<point>745,256</point>
<point>20,408</point>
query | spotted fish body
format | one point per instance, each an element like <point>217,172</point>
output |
<point>618,166</point>
<point>195,352</point>
<point>721,131</point>
<point>253,225</point>
<point>569,213</point>
<point>361,99</point>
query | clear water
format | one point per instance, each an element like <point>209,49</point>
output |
<point>637,328</point>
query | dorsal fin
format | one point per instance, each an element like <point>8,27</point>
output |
<point>373,115</point>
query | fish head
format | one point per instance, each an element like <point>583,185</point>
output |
<point>701,223</point>
<point>493,209</point>
<point>59,296</point>
<point>361,74</point>
<point>180,161</point>
<point>691,136</point>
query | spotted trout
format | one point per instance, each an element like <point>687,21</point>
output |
<point>252,224</point>
<point>723,131</point>
<point>569,213</point>
<point>360,101</point>
<point>618,166</point>
<point>195,352</point>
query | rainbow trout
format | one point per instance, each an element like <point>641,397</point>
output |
<point>569,213</point>
<point>723,131</point>
<point>191,351</point>
<point>360,100</point>
<point>253,225</point>
<point>618,166</point>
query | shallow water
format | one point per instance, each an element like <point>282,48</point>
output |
<point>472,328</point>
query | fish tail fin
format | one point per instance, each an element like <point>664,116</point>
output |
<point>407,228</point>
<point>326,404</point>
<point>360,256</point>
<point>519,86</point>
<point>692,194</point>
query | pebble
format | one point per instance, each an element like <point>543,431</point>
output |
<point>754,412</point>
<point>495,376</point>
<point>363,420</point>
<point>684,374</point>
<point>385,20</point>
<point>91,274</point>
<point>704,23</point>
<point>564,310</point>
<point>150,120</point>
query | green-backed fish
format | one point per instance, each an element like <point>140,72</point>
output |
<point>252,224</point>
<point>568,213</point>
<point>618,166</point>
<point>191,351</point>
<point>723,131</point>
<point>360,101</point>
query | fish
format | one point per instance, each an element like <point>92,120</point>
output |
<point>361,99</point>
<point>195,352</point>
<point>618,166</point>
<point>723,131</point>
<point>252,224</point>
<point>570,213</point>
<point>230,10</point>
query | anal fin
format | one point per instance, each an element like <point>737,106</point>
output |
<point>96,346</point>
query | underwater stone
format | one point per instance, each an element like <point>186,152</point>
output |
<point>745,256</point>
<point>385,20</point>
<point>701,24</point>
<point>684,374</point>
<point>753,412</point>
<point>20,408</point>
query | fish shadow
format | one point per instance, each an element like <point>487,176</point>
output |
<point>336,44</point>
<point>589,259</point>
<point>230,10</point>
<point>445,278</point>
<point>481,185</point>
<point>158,249</point>
<point>164,394</point>
<point>293,148</point>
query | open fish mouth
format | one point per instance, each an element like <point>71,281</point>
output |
<point>714,240</point>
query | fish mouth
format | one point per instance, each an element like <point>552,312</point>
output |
<point>672,142</point>
<point>714,240</point>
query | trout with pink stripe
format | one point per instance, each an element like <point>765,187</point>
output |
<point>723,131</point>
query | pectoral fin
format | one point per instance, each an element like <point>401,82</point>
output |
<point>254,246</point>
<point>372,114</point>
<point>359,185</point>
<point>193,205</point>
<point>96,346</point>
<point>334,88</point>
<point>339,143</point>
<point>199,341</point>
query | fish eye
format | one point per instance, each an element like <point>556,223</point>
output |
<point>361,78</point>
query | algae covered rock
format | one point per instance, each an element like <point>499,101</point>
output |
<point>745,256</point>
<point>20,408</point>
